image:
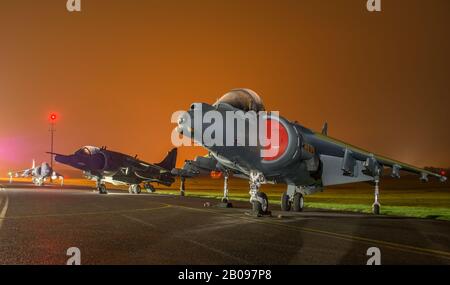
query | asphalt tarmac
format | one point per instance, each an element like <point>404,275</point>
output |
<point>39,225</point>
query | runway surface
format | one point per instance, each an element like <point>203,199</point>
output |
<point>38,225</point>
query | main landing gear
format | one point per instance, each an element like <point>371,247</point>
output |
<point>149,187</point>
<point>376,204</point>
<point>225,203</point>
<point>182,186</point>
<point>293,199</point>
<point>259,201</point>
<point>134,189</point>
<point>38,181</point>
<point>101,187</point>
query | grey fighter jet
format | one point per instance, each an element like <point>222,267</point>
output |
<point>103,165</point>
<point>39,174</point>
<point>304,160</point>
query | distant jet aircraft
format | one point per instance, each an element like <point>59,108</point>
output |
<point>38,173</point>
<point>305,160</point>
<point>102,165</point>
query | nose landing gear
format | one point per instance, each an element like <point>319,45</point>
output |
<point>259,200</point>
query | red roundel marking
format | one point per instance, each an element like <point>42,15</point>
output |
<point>277,148</point>
<point>443,172</point>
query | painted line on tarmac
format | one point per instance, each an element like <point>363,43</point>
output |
<point>5,202</point>
<point>85,213</point>
<point>347,237</point>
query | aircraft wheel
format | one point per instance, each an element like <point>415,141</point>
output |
<point>376,209</point>
<point>285,203</point>
<point>130,189</point>
<point>298,202</point>
<point>137,189</point>
<point>261,207</point>
<point>102,189</point>
<point>149,187</point>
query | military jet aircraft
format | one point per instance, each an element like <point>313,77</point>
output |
<point>304,160</point>
<point>103,165</point>
<point>39,174</point>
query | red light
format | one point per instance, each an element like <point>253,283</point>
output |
<point>216,174</point>
<point>443,172</point>
<point>53,117</point>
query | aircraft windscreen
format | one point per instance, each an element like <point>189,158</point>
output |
<point>87,150</point>
<point>243,99</point>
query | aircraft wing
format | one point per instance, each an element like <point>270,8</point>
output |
<point>21,173</point>
<point>367,162</point>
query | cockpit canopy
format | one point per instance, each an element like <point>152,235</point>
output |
<point>243,99</point>
<point>88,150</point>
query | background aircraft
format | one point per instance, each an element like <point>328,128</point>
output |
<point>104,165</point>
<point>38,173</point>
<point>306,161</point>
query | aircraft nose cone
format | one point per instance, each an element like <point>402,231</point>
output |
<point>62,159</point>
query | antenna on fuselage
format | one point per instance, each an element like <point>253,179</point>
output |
<point>325,129</point>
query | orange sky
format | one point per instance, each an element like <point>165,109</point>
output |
<point>116,71</point>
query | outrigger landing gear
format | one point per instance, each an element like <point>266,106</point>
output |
<point>101,187</point>
<point>293,199</point>
<point>182,185</point>
<point>225,203</point>
<point>376,205</point>
<point>134,189</point>
<point>260,203</point>
<point>149,187</point>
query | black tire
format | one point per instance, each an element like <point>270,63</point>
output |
<point>259,208</point>
<point>298,202</point>
<point>376,209</point>
<point>285,203</point>
<point>102,189</point>
<point>137,189</point>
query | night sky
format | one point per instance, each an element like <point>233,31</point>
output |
<point>116,71</point>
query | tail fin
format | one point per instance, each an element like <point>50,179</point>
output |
<point>170,160</point>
